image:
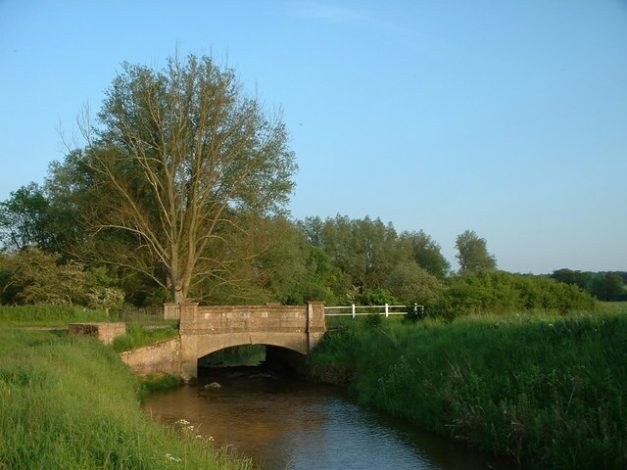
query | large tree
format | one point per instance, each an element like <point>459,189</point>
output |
<point>177,162</point>
<point>472,254</point>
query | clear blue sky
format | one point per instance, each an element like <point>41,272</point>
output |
<point>505,117</point>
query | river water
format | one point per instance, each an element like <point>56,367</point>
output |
<point>286,423</point>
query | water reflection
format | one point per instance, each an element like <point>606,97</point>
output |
<point>284,423</point>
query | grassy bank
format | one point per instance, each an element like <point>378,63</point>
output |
<point>68,402</point>
<point>48,315</point>
<point>549,391</point>
<point>138,335</point>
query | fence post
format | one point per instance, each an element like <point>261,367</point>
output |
<point>386,311</point>
<point>353,310</point>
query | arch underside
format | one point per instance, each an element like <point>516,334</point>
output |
<point>208,344</point>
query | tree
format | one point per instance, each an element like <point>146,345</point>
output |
<point>426,252</point>
<point>364,249</point>
<point>408,282</point>
<point>607,286</point>
<point>24,219</point>
<point>177,161</point>
<point>578,278</point>
<point>473,254</point>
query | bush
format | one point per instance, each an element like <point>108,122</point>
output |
<point>373,320</point>
<point>376,297</point>
<point>32,276</point>
<point>501,292</point>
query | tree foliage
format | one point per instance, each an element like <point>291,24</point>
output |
<point>473,254</point>
<point>426,253</point>
<point>25,219</point>
<point>378,262</point>
<point>177,163</point>
<point>499,292</point>
<point>32,276</point>
<point>609,286</point>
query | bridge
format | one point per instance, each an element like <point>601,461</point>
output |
<point>289,333</point>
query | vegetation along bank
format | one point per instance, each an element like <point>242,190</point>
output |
<point>549,391</point>
<point>68,402</point>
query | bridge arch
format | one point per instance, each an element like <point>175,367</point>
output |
<point>209,345</point>
<point>204,330</point>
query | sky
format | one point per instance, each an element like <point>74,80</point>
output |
<point>508,118</point>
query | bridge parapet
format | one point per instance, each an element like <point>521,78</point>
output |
<point>252,318</point>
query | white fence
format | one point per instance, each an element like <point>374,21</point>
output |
<point>387,310</point>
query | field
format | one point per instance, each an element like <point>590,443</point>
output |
<point>549,391</point>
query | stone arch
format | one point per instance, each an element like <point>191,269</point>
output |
<point>193,347</point>
<point>212,346</point>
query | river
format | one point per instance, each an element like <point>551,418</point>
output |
<point>285,423</point>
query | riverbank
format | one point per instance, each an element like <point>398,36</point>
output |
<point>69,402</point>
<point>548,391</point>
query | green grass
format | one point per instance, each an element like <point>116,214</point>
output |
<point>158,383</point>
<point>68,402</point>
<point>60,315</point>
<point>138,335</point>
<point>48,315</point>
<point>549,391</point>
<point>613,307</point>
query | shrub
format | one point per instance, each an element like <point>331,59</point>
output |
<point>32,276</point>
<point>501,292</point>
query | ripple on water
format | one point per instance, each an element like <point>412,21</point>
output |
<point>283,423</point>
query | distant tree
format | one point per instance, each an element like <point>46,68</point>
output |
<point>473,254</point>
<point>178,163</point>
<point>578,278</point>
<point>426,252</point>
<point>410,283</point>
<point>607,286</point>
<point>603,285</point>
<point>365,249</point>
<point>25,219</point>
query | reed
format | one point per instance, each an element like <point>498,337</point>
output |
<point>549,391</point>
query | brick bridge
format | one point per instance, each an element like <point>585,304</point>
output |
<point>289,332</point>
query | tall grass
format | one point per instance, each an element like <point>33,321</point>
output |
<point>138,335</point>
<point>48,315</point>
<point>551,392</point>
<point>70,403</point>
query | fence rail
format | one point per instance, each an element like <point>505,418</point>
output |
<point>387,310</point>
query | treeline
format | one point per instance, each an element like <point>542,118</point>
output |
<point>610,286</point>
<point>179,193</point>
<point>338,260</point>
